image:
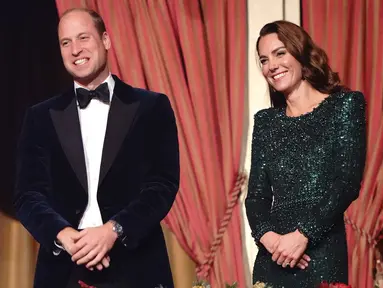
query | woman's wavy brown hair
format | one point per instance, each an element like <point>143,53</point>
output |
<point>313,59</point>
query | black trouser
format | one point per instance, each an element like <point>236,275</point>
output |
<point>107,278</point>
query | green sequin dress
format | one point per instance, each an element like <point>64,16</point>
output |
<point>305,172</point>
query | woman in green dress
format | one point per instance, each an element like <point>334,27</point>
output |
<point>308,156</point>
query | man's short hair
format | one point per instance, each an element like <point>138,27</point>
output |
<point>97,20</point>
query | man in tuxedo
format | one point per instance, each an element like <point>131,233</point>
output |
<point>97,170</point>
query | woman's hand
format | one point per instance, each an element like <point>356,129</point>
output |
<point>270,240</point>
<point>290,249</point>
<point>303,262</point>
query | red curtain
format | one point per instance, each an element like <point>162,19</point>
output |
<point>195,52</point>
<point>351,33</point>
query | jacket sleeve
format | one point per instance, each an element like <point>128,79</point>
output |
<point>160,186</point>
<point>33,184</point>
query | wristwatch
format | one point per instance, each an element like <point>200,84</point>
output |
<point>118,229</point>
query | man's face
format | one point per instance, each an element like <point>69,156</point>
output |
<point>83,49</point>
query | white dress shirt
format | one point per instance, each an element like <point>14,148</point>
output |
<point>93,120</point>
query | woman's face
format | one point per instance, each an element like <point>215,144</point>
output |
<point>279,67</point>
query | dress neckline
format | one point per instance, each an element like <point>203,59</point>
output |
<point>310,113</point>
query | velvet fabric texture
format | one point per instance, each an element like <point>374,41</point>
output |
<point>139,179</point>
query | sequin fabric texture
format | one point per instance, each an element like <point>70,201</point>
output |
<point>305,172</point>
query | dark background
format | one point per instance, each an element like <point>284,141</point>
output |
<point>31,71</point>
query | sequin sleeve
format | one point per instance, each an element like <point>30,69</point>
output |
<point>259,197</point>
<point>349,158</point>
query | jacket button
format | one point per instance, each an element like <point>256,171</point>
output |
<point>78,211</point>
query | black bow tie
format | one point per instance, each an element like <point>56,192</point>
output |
<point>84,96</point>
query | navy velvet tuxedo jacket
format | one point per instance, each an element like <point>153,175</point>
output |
<point>139,179</point>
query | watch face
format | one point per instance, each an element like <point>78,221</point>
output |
<point>118,228</point>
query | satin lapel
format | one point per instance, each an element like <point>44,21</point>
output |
<point>122,113</point>
<point>67,125</point>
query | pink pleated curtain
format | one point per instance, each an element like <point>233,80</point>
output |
<point>351,33</point>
